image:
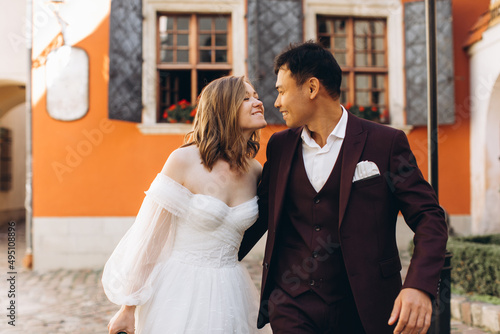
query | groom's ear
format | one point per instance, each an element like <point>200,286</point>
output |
<point>313,85</point>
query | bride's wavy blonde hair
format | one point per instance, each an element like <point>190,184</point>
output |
<point>216,129</point>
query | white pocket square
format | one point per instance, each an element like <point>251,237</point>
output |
<point>365,170</point>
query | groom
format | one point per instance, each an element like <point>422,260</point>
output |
<point>330,194</point>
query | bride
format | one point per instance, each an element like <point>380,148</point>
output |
<point>176,269</point>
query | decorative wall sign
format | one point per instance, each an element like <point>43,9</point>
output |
<point>67,82</point>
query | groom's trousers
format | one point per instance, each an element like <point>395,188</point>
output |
<point>310,314</point>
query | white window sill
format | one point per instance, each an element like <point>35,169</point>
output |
<point>165,128</point>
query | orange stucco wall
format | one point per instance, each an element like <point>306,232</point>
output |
<point>99,167</point>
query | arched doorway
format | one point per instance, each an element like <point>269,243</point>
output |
<point>13,167</point>
<point>11,94</point>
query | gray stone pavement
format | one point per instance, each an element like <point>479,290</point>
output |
<point>73,301</point>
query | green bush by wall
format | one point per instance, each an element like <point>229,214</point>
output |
<point>476,264</point>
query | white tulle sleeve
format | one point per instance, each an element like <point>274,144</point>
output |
<point>129,273</point>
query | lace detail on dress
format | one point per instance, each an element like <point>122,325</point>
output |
<point>224,256</point>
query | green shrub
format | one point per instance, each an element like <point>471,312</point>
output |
<point>476,264</point>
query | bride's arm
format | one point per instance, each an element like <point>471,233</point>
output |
<point>130,271</point>
<point>135,262</point>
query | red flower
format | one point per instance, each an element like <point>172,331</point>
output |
<point>361,108</point>
<point>193,112</point>
<point>173,121</point>
<point>165,114</point>
<point>172,107</point>
<point>374,108</point>
<point>348,105</point>
<point>188,122</point>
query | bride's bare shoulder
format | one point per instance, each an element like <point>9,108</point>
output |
<point>255,168</point>
<point>180,161</point>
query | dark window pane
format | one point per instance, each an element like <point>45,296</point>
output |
<point>361,27</point>
<point>205,40</point>
<point>167,56</point>
<point>381,98</point>
<point>221,23</point>
<point>221,56</point>
<point>205,23</point>
<point>378,43</point>
<point>205,56</point>
<point>183,23</point>
<point>323,26</point>
<point>221,40</point>
<point>345,81</point>
<point>360,43</point>
<point>169,22</point>
<point>363,81</point>
<point>182,56</point>
<point>340,43</point>
<point>341,58</point>
<point>166,40</point>
<point>363,98</point>
<point>339,26</point>
<point>205,77</point>
<point>361,59</point>
<point>375,97</point>
<point>174,87</point>
<point>378,59</point>
<point>325,41</point>
<point>182,40</point>
<point>343,97</point>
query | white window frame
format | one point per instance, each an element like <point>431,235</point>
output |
<point>234,8</point>
<point>392,11</point>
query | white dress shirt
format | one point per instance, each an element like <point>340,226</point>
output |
<point>319,161</point>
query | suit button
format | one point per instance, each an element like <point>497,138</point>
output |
<point>312,282</point>
<point>317,228</point>
<point>266,265</point>
<point>317,200</point>
<point>315,254</point>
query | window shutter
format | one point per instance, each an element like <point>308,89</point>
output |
<point>272,26</point>
<point>416,63</point>
<point>125,61</point>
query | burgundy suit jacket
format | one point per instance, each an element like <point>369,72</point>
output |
<point>368,210</point>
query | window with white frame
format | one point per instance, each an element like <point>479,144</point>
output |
<point>192,50</point>
<point>360,47</point>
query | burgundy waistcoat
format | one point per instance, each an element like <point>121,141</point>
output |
<point>308,250</point>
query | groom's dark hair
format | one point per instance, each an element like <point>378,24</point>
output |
<point>311,59</point>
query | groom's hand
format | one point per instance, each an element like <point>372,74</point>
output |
<point>413,307</point>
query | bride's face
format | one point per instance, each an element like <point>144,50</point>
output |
<point>251,111</point>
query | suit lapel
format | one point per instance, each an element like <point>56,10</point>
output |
<point>285,163</point>
<point>354,143</point>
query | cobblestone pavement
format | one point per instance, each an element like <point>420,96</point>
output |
<point>73,301</point>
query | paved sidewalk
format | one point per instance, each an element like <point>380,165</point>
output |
<point>72,301</point>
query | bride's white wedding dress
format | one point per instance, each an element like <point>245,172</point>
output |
<point>178,261</point>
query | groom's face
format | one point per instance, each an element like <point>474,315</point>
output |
<point>292,101</point>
